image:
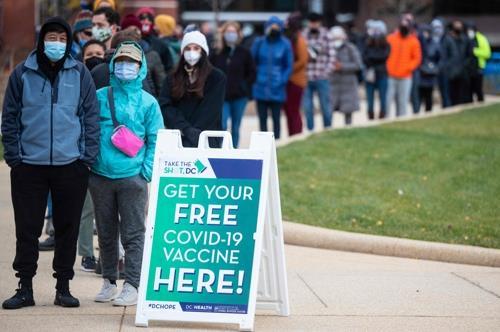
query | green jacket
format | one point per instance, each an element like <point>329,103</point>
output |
<point>140,112</point>
<point>483,50</point>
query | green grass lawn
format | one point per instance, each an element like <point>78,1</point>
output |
<point>434,179</point>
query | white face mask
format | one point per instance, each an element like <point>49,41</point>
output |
<point>192,57</point>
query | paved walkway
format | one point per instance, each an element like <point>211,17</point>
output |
<point>329,290</point>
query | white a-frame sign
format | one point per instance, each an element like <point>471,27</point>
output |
<point>214,238</point>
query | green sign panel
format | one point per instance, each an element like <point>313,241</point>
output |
<point>203,242</point>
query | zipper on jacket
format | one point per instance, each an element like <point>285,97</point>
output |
<point>53,97</point>
<point>51,124</point>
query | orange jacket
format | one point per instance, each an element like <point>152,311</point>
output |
<point>299,73</point>
<point>405,55</point>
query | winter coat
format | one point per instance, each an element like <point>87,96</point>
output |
<point>431,58</point>
<point>449,54</point>
<point>344,82</point>
<point>405,55</point>
<point>50,124</point>
<point>482,50</point>
<point>138,111</point>
<point>376,57</point>
<point>459,65</point>
<point>192,115</point>
<point>301,57</point>
<point>274,61</point>
<point>163,51</point>
<point>237,63</point>
<point>156,72</point>
<point>100,75</point>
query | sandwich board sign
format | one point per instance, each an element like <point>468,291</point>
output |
<point>214,240</point>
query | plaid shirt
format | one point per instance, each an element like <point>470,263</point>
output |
<point>321,55</point>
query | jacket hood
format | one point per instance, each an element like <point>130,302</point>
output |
<point>48,26</point>
<point>275,20</point>
<point>134,85</point>
<point>437,27</point>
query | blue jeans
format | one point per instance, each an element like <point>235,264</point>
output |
<point>380,84</point>
<point>323,89</point>
<point>234,110</point>
<point>275,107</point>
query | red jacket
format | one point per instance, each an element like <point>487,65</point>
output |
<point>405,55</point>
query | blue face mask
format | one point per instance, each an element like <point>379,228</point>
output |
<point>126,71</point>
<point>54,50</point>
<point>82,42</point>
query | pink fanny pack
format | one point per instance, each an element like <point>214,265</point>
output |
<point>123,138</point>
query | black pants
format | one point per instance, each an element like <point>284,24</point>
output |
<point>459,90</point>
<point>262,107</point>
<point>30,185</point>
<point>477,86</point>
<point>426,97</point>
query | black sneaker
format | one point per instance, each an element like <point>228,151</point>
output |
<point>48,244</point>
<point>22,298</point>
<point>88,264</point>
<point>65,299</point>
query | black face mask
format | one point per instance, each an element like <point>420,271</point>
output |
<point>274,34</point>
<point>314,31</point>
<point>404,30</point>
<point>93,62</point>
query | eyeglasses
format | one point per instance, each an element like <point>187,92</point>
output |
<point>87,33</point>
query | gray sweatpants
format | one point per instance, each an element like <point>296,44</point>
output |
<point>86,234</point>
<point>120,207</point>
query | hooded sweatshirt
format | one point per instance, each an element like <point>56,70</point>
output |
<point>138,111</point>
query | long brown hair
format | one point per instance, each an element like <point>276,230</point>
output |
<point>180,78</point>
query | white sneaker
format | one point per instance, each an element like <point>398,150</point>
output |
<point>108,292</point>
<point>128,296</point>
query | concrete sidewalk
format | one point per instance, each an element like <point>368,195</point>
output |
<point>329,290</point>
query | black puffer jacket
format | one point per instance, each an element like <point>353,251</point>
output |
<point>375,56</point>
<point>239,67</point>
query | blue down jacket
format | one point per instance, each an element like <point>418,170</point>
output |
<point>274,62</point>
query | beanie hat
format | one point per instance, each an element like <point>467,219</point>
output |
<point>165,24</point>
<point>145,10</point>
<point>83,21</point>
<point>130,20</point>
<point>194,37</point>
<point>111,3</point>
<point>337,32</point>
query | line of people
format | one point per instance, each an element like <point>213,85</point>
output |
<point>61,118</point>
<point>67,130</point>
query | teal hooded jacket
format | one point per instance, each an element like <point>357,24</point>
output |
<point>140,112</point>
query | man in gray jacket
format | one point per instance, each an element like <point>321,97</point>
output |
<point>50,133</point>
